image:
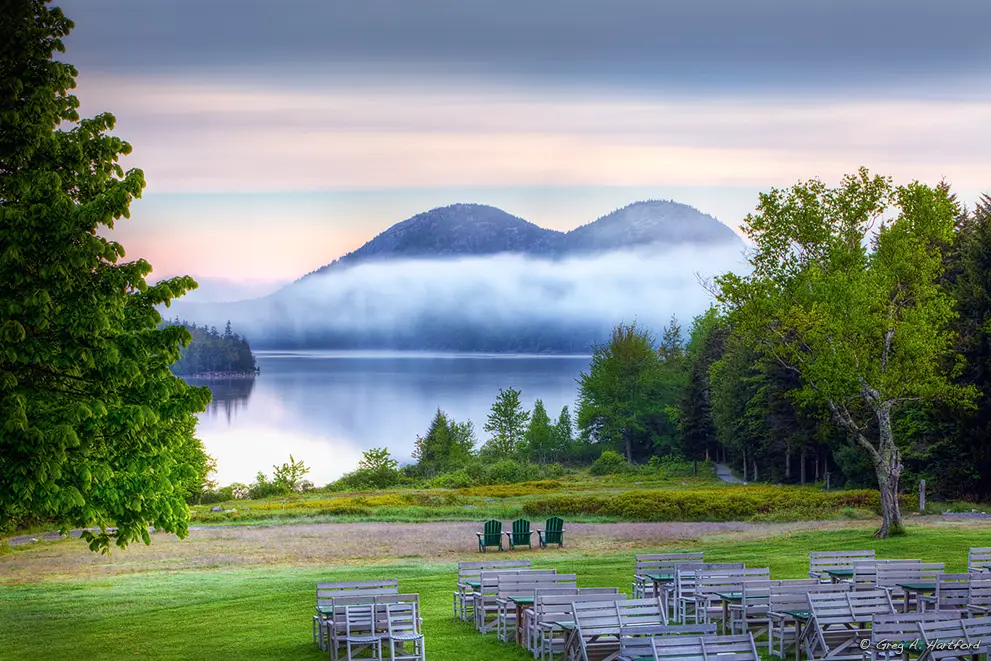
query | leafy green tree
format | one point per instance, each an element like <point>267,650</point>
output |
<point>507,422</point>
<point>622,399</point>
<point>377,459</point>
<point>287,477</point>
<point>859,316</point>
<point>540,440</point>
<point>96,430</point>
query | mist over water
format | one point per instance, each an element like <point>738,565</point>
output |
<point>496,303</point>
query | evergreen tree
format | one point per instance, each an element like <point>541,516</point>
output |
<point>446,445</point>
<point>95,428</point>
<point>540,439</point>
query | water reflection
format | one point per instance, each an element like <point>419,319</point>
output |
<point>326,409</point>
<point>229,395</point>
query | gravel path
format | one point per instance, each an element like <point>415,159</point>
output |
<point>724,473</point>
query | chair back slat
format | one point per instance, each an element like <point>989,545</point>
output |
<point>975,632</point>
<point>822,561</point>
<point>705,648</point>
<point>790,598</point>
<point>553,530</point>
<point>327,592</point>
<point>979,560</point>
<point>638,642</point>
<point>865,571</point>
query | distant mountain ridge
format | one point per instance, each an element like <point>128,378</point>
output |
<point>478,229</point>
<point>474,278</point>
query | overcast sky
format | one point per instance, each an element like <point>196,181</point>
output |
<point>277,136</point>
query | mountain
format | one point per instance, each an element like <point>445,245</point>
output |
<point>473,278</point>
<point>478,229</point>
<point>455,230</point>
<point>644,223</point>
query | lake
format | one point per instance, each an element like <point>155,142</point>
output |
<point>326,408</point>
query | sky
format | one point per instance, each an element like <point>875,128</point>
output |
<point>276,137</point>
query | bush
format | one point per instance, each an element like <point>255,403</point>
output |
<point>221,495</point>
<point>263,488</point>
<point>609,462</point>
<point>459,479</point>
<point>730,504</point>
<point>510,471</point>
<point>364,478</point>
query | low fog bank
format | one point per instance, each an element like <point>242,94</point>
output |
<point>497,303</point>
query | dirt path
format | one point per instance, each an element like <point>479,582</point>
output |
<point>724,473</point>
<point>339,544</point>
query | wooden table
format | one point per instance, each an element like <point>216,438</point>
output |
<point>916,589</point>
<point>726,598</point>
<point>839,575</point>
<point>801,617</point>
<point>658,580</point>
<point>521,603</point>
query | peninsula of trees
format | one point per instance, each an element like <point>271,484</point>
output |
<point>212,353</point>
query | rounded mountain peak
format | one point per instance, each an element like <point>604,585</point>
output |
<point>650,221</point>
<point>457,229</point>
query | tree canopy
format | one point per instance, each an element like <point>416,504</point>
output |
<point>849,299</point>
<point>96,430</point>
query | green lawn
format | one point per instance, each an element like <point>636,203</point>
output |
<point>265,613</point>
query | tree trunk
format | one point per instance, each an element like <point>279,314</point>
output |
<point>788,463</point>
<point>744,465</point>
<point>801,470</point>
<point>815,462</point>
<point>755,471</point>
<point>628,440</point>
<point>888,466</point>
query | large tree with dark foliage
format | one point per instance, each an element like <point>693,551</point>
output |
<point>850,300</point>
<point>94,427</point>
<point>625,400</point>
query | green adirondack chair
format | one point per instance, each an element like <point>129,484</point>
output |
<point>520,535</point>
<point>553,532</point>
<point>491,536</point>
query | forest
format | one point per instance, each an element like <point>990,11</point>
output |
<point>855,354</point>
<point>213,352</point>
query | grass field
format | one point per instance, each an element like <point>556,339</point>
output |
<point>262,610</point>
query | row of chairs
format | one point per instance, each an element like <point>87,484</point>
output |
<point>492,533</point>
<point>685,584</point>
<point>368,620</point>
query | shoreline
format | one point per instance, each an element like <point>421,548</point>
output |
<point>217,376</point>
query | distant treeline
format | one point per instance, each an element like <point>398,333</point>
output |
<point>213,352</point>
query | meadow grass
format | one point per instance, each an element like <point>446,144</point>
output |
<point>264,612</point>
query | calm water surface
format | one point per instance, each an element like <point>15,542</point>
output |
<point>327,408</point>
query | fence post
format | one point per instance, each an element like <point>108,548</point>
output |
<point>922,496</point>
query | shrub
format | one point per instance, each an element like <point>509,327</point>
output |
<point>263,488</point>
<point>609,462</point>
<point>459,479</point>
<point>220,495</point>
<point>730,504</point>
<point>510,471</point>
